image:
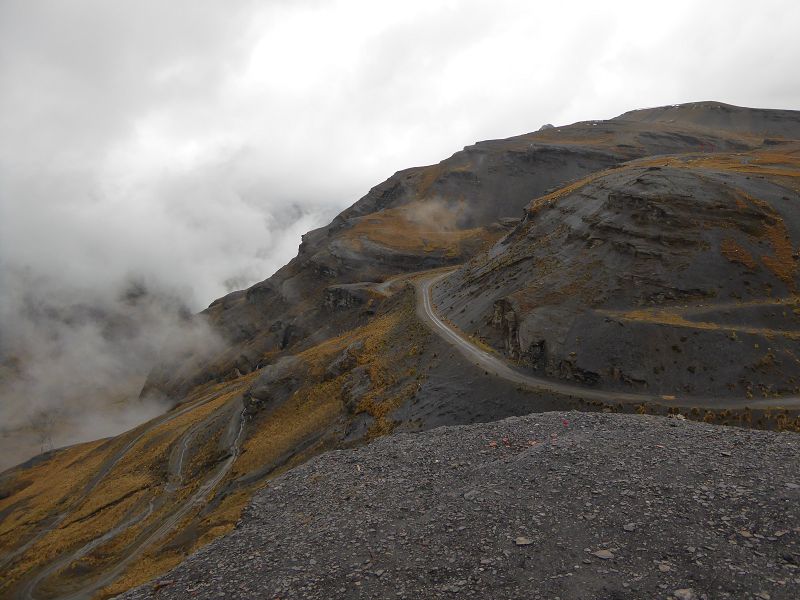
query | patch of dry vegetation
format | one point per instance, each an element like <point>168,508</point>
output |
<point>768,163</point>
<point>389,353</point>
<point>660,316</point>
<point>165,556</point>
<point>47,488</point>
<point>392,368</point>
<point>735,253</point>
<point>774,165</point>
<point>282,439</point>
<point>774,419</point>
<point>759,162</point>
<point>131,482</point>
<point>430,175</point>
<point>781,263</point>
<point>421,226</point>
<point>310,410</point>
<point>548,200</point>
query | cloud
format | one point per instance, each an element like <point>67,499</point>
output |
<point>189,144</point>
<point>73,365</point>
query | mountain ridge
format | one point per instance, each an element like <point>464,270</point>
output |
<point>531,169</point>
<point>552,238</point>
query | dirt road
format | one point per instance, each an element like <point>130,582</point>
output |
<point>496,366</point>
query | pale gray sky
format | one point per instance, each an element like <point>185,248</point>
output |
<point>187,144</point>
<point>191,142</point>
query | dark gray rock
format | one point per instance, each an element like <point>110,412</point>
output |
<point>346,361</point>
<point>550,517</point>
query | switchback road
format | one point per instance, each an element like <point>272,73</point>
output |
<point>496,366</point>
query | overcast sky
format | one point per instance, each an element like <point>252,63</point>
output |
<point>187,144</point>
<point>190,143</point>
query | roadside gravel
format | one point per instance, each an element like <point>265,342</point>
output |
<point>552,505</point>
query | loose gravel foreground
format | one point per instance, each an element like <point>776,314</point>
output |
<point>553,505</point>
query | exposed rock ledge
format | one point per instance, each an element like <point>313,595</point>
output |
<point>568,505</point>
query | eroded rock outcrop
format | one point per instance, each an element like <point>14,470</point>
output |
<point>674,275</point>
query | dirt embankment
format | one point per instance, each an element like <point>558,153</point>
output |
<point>568,505</point>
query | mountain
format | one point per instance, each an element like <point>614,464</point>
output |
<point>647,263</point>
<point>435,216</point>
<point>673,275</point>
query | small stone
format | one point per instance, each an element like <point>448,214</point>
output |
<point>664,568</point>
<point>792,486</point>
<point>523,541</point>
<point>780,533</point>
<point>685,594</point>
<point>629,527</point>
<point>604,554</point>
<point>471,495</point>
<point>745,534</point>
<point>724,453</point>
<point>763,595</point>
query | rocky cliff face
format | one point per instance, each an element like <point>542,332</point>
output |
<point>675,274</point>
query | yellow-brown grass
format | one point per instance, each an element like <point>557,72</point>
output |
<point>666,317</point>
<point>785,163</point>
<point>138,474</point>
<point>390,349</point>
<point>430,175</point>
<point>51,484</point>
<point>735,253</point>
<point>418,227</point>
<point>165,556</point>
<point>549,199</point>
<point>781,263</point>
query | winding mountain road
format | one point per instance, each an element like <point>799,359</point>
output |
<point>496,366</point>
<point>233,430</point>
<point>230,439</point>
<point>108,464</point>
<point>29,589</point>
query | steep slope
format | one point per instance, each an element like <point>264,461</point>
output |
<point>329,352</point>
<point>419,219</point>
<point>676,275</point>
